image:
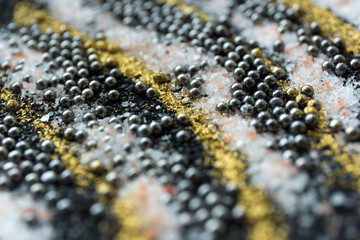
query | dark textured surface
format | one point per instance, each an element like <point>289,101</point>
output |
<point>6,7</point>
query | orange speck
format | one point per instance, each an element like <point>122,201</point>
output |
<point>174,47</point>
<point>167,52</point>
<point>327,84</point>
<point>284,163</point>
<point>45,215</point>
<point>340,102</point>
<point>293,69</point>
<point>225,75</point>
<point>158,218</point>
<point>344,112</point>
<point>280,37</point>
<point>252,135</point>
<point>54,125</point>
<point>150,234</point>
<point>227,138</point>
<point>20,55</point>
<point>320,89</point>
<point>168,188</point>
<point>288,50</point>
<point>25,210</point>
<point>306,62</point>
<point>220,85</point>
<point>142,193</point>
<point>12,68</point>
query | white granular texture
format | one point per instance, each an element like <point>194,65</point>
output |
<point>13,208</point>
<point>343,9</point>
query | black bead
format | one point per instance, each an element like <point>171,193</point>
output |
<point>355,64</point>
<point>279,46</point>
<point>341,69</point>
<point>297,127</point>
<point>315,28</point>
<point>327,66</point>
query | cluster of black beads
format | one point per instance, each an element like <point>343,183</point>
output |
<point>31,163</point>
<point>85,80</point>
<point>255,92</point>
<point>186,78</point>
<point>317,163</point>
<point>340,62</point>
<point>250,95</point>
<point>339,196</point>
<point>199,202</point>
<point>26,162</point>
<point>237,56</point>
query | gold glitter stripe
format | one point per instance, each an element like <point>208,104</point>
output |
<point>187,9</point>
<point>330,24</point>
<point>260,214</point>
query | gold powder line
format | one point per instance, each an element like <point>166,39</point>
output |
<point>331,25</point>
<point>260,214</point>
<point>187,9</point>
